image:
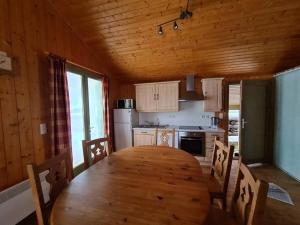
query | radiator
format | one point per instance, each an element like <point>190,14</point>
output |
<point>16,202</point>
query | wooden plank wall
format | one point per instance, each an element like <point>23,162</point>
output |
<point>28,28</point>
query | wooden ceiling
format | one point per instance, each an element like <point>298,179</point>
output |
<point>223,38</point>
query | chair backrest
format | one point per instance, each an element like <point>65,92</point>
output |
<point>221,163</point>
<point>249,197</point>
<point>95,150</point>
<point>58,177</point>
<point>164,137</point>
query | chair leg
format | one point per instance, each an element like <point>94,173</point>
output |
<point>224,205</point>
<point>211,199</point>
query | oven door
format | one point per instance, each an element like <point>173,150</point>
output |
<point>193,144</point>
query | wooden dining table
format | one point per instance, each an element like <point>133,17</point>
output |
<point>141,185</point>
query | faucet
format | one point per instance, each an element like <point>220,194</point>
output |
<point>157,121</point>
<point>149,122</point>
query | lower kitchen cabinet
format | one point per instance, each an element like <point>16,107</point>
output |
<point>144,137</point>
<point>209,143</point>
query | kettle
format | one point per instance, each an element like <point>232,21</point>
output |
<point>214,122</point>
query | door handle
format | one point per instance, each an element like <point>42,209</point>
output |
<point>243,123</point>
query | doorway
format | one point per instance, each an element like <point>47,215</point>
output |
<point>86,111</point>
<point>234,111</point>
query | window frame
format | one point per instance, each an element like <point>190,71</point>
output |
<point>86,109</point>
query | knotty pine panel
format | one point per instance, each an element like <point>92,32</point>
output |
<point>28,28</point>
<point>223,38</point>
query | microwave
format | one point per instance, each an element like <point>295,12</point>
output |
<point>125,104</point>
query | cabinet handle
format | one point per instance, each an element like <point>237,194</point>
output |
<point>157,96</point>
<point>154,97</point>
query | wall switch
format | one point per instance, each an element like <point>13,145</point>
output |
<point>43,128</point>
<point>5,62</point>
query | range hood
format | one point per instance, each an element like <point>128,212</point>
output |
<point>190,94</point>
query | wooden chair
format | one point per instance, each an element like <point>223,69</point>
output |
<point>58,177</point>
<point>164,137</point>
<point>248,203</point>
<point>95,150</point>
<point>220,172</point>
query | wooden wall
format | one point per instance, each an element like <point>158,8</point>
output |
<point>28,28</point>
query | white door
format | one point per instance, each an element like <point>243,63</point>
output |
<point>123,135</point>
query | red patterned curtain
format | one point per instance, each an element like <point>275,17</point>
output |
<point>106,106</point>
<point>60,128</point>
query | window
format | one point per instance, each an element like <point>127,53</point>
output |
<point>86,109</point>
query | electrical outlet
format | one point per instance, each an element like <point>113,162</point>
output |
<point>5,62</point>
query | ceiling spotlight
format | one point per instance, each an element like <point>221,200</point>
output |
<point>184,14</point>
<point>160,30</point>
<point>175,26</point>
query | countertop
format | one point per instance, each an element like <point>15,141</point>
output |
<point>206,129</point>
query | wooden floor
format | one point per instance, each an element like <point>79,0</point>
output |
<point>277,213</point>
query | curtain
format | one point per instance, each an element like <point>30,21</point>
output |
<point>60,127</point>
<point>106,107</point>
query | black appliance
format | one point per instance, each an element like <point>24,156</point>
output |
<point>125,104</point>
<point>192,141</point>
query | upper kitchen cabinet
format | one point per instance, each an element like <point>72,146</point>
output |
<point>212,89</point>
<point>145,95</point>
<point>157,97</point>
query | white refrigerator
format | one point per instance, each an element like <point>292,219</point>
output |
<point>124,121</point>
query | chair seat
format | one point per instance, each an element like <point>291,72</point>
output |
<point>217,216</point>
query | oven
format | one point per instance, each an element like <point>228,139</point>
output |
<point>192,142</point>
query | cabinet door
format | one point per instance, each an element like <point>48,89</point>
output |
<point>210,144</point>
<point>144,138</point>
<point>212,89</point>
<point>167,98</point>
<point>145,98</point>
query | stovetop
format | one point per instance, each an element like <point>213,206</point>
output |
<point>190,128</point>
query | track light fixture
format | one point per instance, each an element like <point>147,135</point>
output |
<point>160,30</point>
<point>184,14</point>
<point>175,26</point>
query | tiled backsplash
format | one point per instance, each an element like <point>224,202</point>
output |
<point>190,114</point>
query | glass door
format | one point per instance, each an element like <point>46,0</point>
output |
<point>75,84</point>
<point>86,110</point>
<point>96,123</point>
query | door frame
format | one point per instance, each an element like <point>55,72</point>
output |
<point>269,121</point>
<point>226,105</point>
<point>86,111</point>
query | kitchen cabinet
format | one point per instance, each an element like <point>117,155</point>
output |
<point>146,98</point>
<point>212,90</point>
<point>157,97</point>
<point>210,143</point>
<point>144,137</point>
